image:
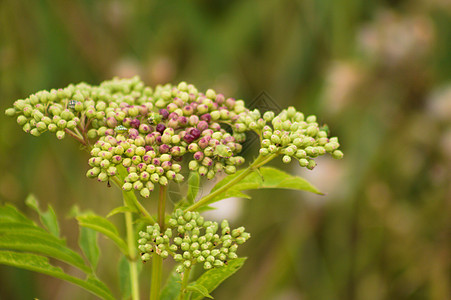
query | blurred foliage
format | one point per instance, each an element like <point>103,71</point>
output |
<point>378,72</point>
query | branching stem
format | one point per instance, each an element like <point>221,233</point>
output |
<point>157,261</point>
<point>258,162</point>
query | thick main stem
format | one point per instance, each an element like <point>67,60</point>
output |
<point>259,161</point>
<point>157,261</point>
<point>133,254</point>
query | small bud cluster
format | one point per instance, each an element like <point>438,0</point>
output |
<point>190,239</point>
<point>76,107</point>
<point>292,135</point>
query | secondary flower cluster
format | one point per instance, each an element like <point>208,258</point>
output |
<point>76,108</point>
<point>190,240</point>
<point>292,135</point>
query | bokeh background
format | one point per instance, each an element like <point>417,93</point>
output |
<point>377,72</point>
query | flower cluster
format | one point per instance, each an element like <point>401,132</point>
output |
<point>146,130</point>
<point>190,240</point>
<point>292,135</point>
<point>151,139</point>
<point>76,108</point>
<point>150,131</point>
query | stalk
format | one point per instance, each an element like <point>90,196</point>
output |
<point>133,254</point>
<point>157,261</point>
<point>132,251</point>
<point>258,162</point>
<point>185,281</point>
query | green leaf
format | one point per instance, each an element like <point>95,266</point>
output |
<point>9,213</point>
<point>124,277</point>
<point>41,264</point>
<point>48,218</point>
<point>172,287</point>
<point>89,246</point>
<point>105,227</point>
<point>121,209</point>
<point>200,289</point>
<point>40,242</point>
<point>214,277</point>
<point>266,178</point>
<point>193,187</point>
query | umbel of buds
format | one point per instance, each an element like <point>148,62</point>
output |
<point>292,135</point>
<point>150,132</point>
<point>190,240</point>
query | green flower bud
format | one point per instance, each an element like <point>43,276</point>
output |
<point>286,159</point>
<point>230,169</point>
<point>186,255</point>
<point>146,257</point>
<point>224,224</point>
<point>60,134</point>
<point>193,165</point>
<point>337,154</point>
<point>194,246</point>
<point>178,240</point>
<point>103,177</point>
<point>35,132</point>
<point>184,246</point>
<point>232,255</point>
<point>218,263</point>
<point>311,119</point>
<point>207,265</point>
<point>303,162</point>
<point>10,112</point>
<point>311,164</point>
<point>92,133</point>
<point>144,193</point>
<point>41,126</point>
<point>163,180</point>
<point>178,257</point>
<point>138,185</point>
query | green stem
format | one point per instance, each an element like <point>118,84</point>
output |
<point>185,281</point>
<point>76,136</point>
<point>157,261</point>
<point>133,254</point>
<point>161,207</point>
<point>258,162</point>
<point>131,197</point>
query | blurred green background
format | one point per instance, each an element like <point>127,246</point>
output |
<point>377,72</point>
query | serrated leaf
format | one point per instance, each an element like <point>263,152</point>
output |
<point>266,178</point>
<point>48,218</point>
<point>41,242</point>
<point>124,277</point>
<point>172,287</point>
<point>105,227</point>
<point>214,277</point>
<point>121,209</point>
<point>193,187</point>
<point>9,213</point>
<point>41,264</point>
<point>88,244</point>
<point>200,289</point>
